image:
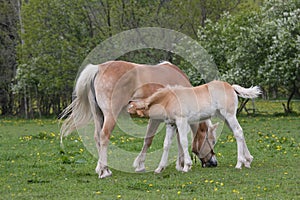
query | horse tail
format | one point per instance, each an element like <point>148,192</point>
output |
<point>251,92</point>
<point>79,111</point>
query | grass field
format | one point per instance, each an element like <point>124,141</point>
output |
<point>33,166</point>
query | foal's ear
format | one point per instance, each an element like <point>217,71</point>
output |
<point>213,129</point>
<point>215,126</point>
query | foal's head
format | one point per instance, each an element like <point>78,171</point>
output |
<point>204,142</point>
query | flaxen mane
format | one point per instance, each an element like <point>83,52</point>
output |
<point>156,97</point>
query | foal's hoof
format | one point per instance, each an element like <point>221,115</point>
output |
<point>186,168</point>
<point>105,173</point>
<point>140,170</point>
<point>247,165</point>
<point>158,170</point>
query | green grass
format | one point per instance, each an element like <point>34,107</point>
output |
<point>33,166</point>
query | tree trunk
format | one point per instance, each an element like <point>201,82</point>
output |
<point>287,108</point>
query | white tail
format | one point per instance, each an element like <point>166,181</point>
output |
<point>251,92</point>
<point>79,110</point>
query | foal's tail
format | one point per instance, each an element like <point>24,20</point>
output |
<point>250,93</point>
<point>79,111</point>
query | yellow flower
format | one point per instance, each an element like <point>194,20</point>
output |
<point>179,192</point>
<point>235,191</point>
<point>119,196</point>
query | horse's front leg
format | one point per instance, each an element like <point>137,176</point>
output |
<point>170,131</point>
<point>180,158</point>
<point>183,130</point>
<point>139,162</point>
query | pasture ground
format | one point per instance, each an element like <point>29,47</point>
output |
<point>32,165</point>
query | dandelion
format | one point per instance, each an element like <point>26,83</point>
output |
<point>119,196</point>
<point>278,147</point>
<point>215,189</point>
<point>211,181</point>
<point>222,184</point>
<point>150,185</point>
<point>98,192</point>
<point>179,192</point>
<point>206,181</point>
<point>235,191</point>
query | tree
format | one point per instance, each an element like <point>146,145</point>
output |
<point>8,41</point>
<point>58,35</point>
<point>258,46</point>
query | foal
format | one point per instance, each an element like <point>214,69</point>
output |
<point>183,106</point>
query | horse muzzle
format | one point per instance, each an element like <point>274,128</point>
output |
<point>213,162</point>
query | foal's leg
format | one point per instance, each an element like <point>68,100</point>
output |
<point>103,141</point>
<point>170,131</point>
<point>139,162</point>
<point>180,158</point>
<point>244,156</point>
<point>183,130</point>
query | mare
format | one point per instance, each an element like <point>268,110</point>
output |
<point>103,91</point>
<point>182,106</point>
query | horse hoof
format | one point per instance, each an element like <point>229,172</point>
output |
<point>105,173</point>
<point>158,170</point>
<point>186,168</point>
<point>141,170</point>
<point>179,168</point>
<point>238,167</point>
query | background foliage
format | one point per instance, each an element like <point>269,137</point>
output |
<point>44,42</point>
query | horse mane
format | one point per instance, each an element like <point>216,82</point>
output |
<point>160,94</point>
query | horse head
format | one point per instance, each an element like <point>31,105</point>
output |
<point>137,107</point>
<point>203,144</point>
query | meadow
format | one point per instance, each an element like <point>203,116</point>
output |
<point>33,165</point>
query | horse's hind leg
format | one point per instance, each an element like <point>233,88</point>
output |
<point>139,162</point>
<point>103,141</point>
<point>244,156</point>
<point>248,156</point>
<point>98,122</point>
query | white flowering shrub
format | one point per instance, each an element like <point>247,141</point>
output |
<point>258,47</point>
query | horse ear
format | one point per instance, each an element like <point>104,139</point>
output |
<point>215,126</point>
